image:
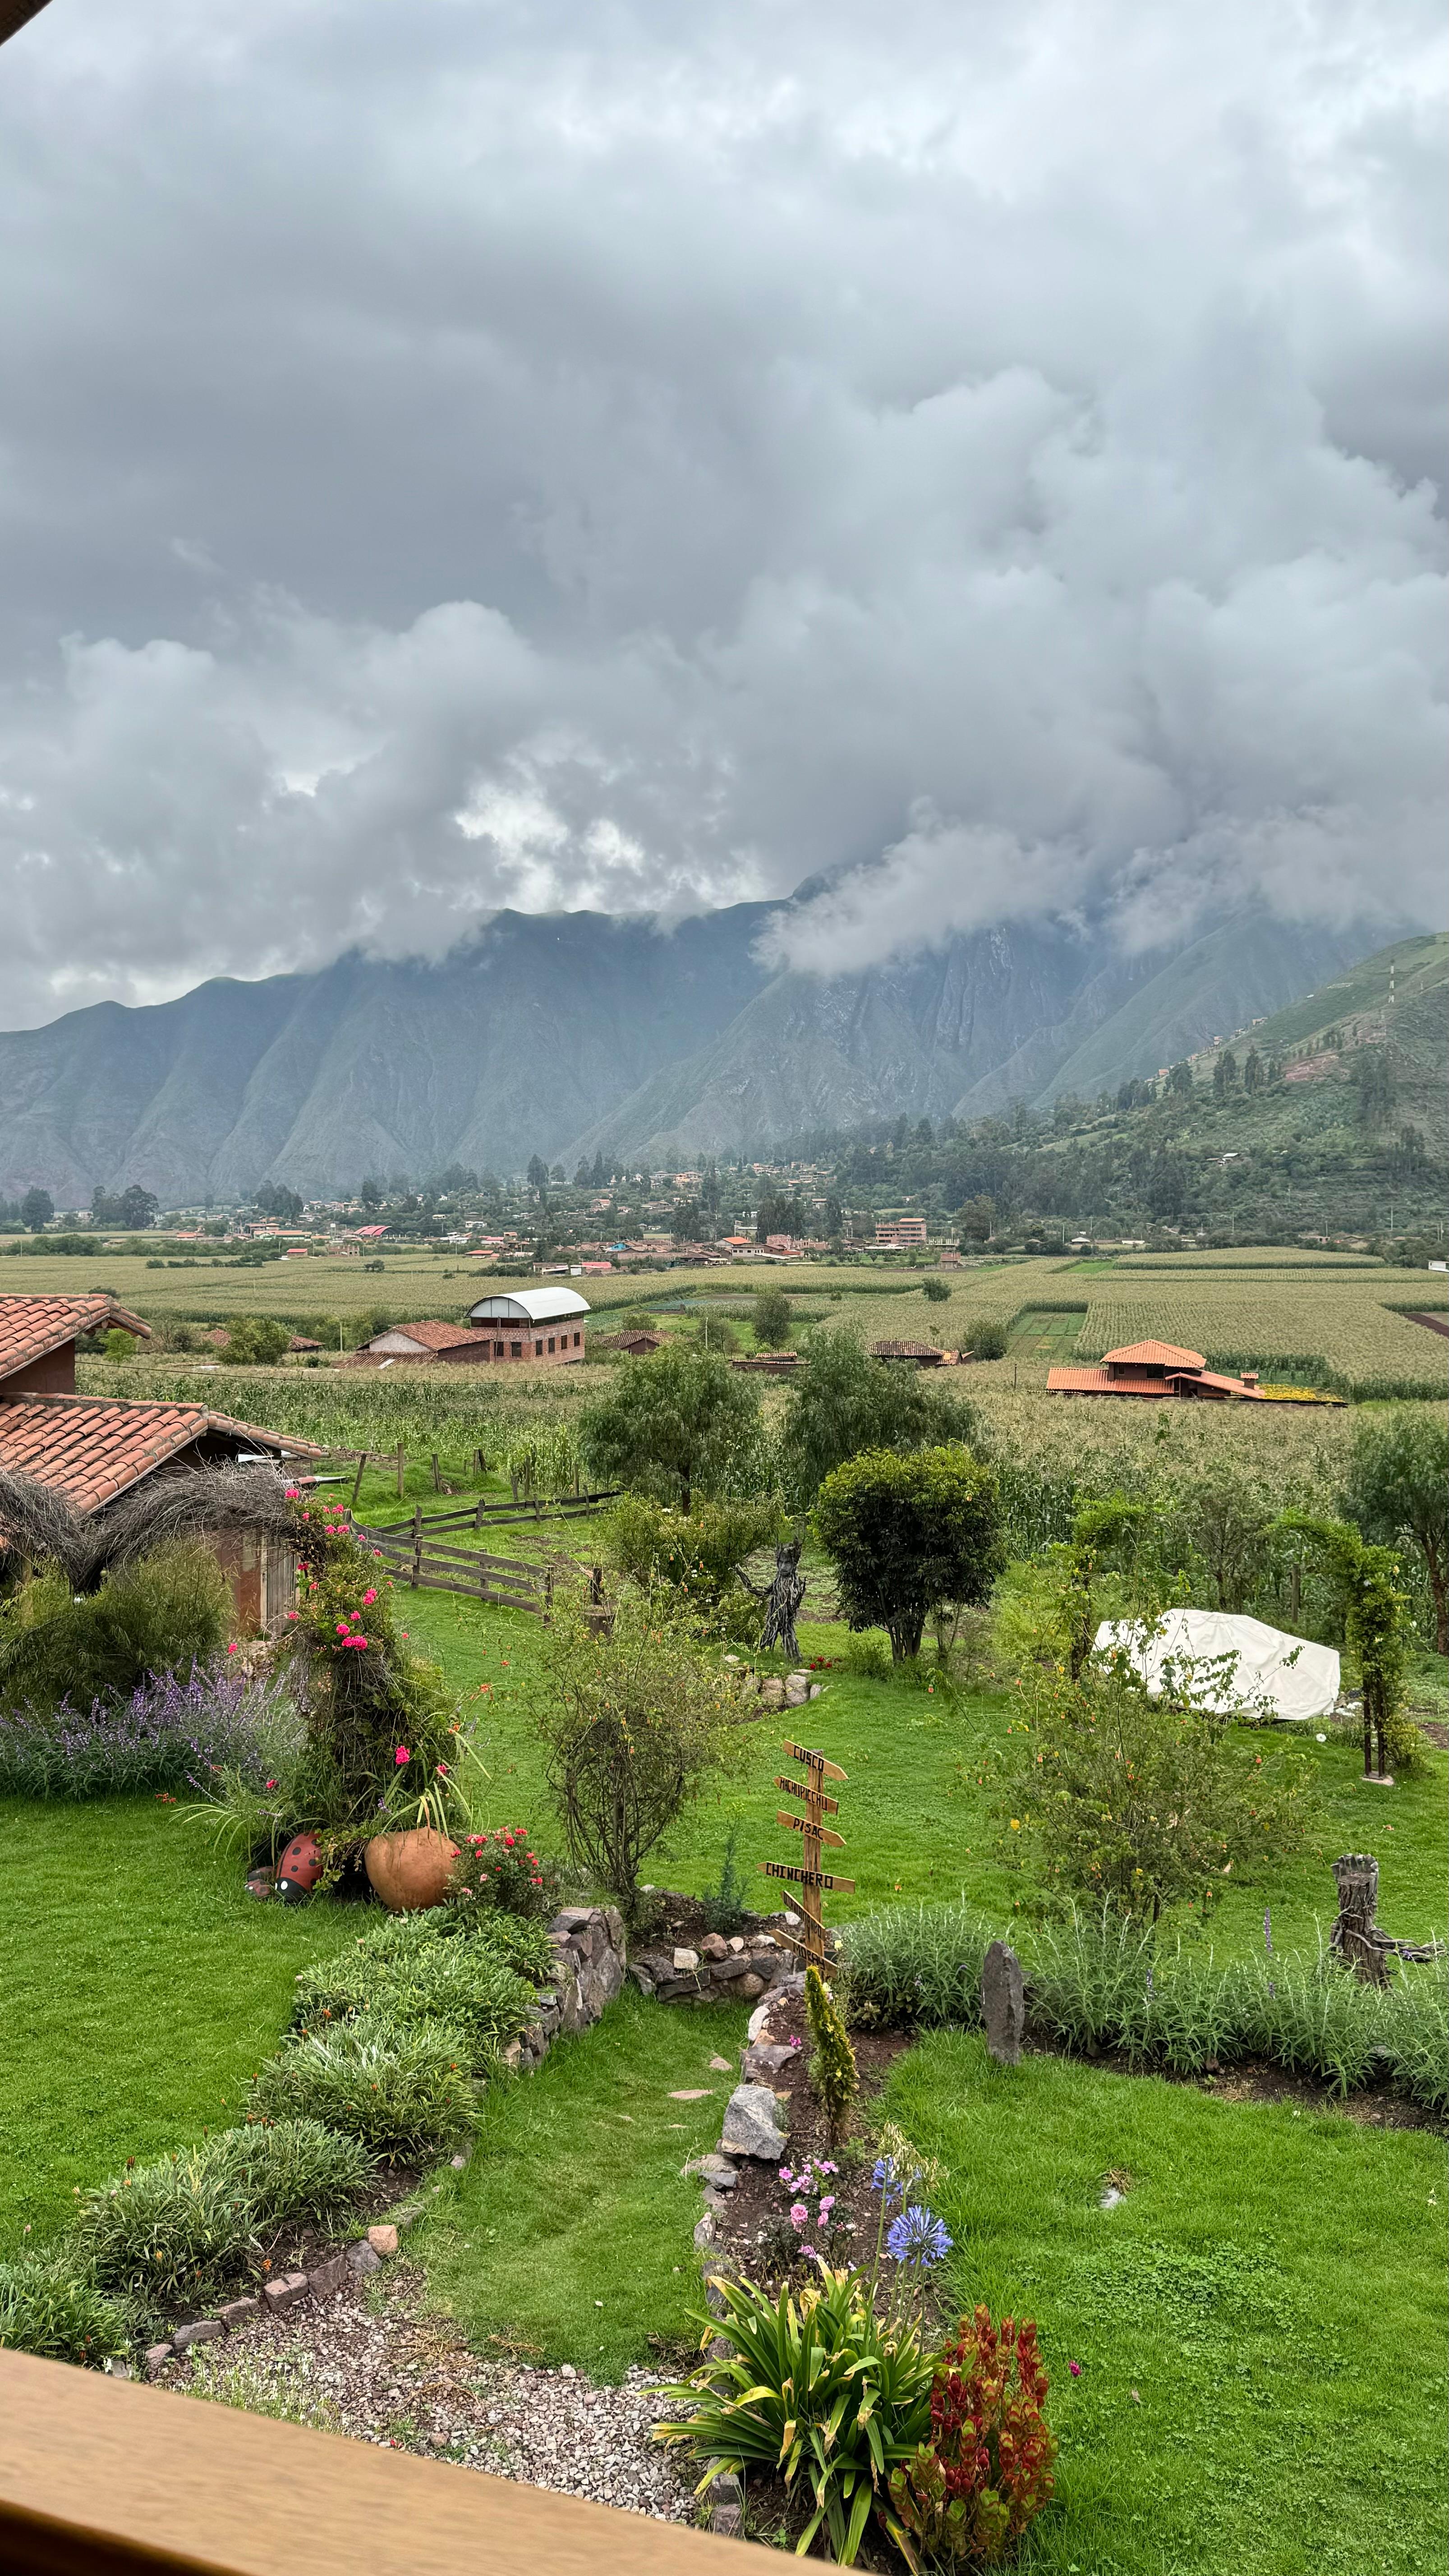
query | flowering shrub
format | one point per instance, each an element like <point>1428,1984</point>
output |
<point>166,1734</point>
<point>504,1870</point>
<point>812,2214</point>
<point>969,2493</point>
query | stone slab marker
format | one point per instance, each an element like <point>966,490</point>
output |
<point>1003,2003</point>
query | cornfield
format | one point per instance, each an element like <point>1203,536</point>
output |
<point>1337,1335</point>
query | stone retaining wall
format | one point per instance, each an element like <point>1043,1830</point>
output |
<point>716,1969</point>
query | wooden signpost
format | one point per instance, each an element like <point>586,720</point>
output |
<point>815,1834</point>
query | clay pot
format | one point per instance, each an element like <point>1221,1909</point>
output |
<point>410,1871</point>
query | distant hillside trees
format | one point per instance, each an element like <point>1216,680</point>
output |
<point>36,1210</point>
<point>131,1210</point>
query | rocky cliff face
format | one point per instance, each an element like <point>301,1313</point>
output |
<point>573,1033</point>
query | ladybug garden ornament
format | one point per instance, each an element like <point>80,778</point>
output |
<point>299,1868</point>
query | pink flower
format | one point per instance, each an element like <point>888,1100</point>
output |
<point>271,1784</point>
<point>231,1650</point>
<point>799,2214</point>
<point>368,1599</point>
<point>1075,2368</point>
<point>294,1493</point>
<point>341,1627</point>
<point>402,1754</point>
<point>294,1614</point>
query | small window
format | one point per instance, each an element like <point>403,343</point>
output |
<point>498,1350</point>
<point>538,1350</point>
<point>515,1350</point>
<point>551,1341</point>
<point>576,1340</point>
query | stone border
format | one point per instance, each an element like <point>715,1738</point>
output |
<point>743,1968</point>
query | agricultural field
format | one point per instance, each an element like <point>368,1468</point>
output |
<point>1328,1321</point>
<point>1040,1333</point>
<point>1341,1334</point>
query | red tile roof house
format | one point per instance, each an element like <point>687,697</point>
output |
<point>90,1449</point>
<point>1155,1369</point>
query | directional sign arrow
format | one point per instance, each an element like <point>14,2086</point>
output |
<point>802,1825</point>
<point>806,1877</point>
<point>816,1761</point>
<point>817,1797</point>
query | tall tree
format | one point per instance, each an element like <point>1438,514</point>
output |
<point>842,1401</point>
<point>36,1210</point>
<point>680,1424</point>
<point>1398,1493</point>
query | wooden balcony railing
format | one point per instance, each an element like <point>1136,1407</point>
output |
<point>108,2477</point>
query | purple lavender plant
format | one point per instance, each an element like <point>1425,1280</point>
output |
<point>168,1734</point>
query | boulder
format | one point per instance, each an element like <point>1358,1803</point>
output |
<point>714,1946</point>
<point>685,1962</point>
<point>239,2312</point>
<point>382,2239</point>
<point>362,2257</point>
<point>329,2276</point>
<point>288,2292</point>
<point>750,2125</point>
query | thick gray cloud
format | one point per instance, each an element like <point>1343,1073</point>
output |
<point>641,457</point>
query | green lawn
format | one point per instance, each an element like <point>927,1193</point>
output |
<point>914,1815</point>
<point>1260,2322</point>
<point>141,1985</point>
<point>570,2235</point>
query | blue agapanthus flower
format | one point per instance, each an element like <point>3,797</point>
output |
<point>919,2237</point>
<point>885,2179</point>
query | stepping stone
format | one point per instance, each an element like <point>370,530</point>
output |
<point>703,2094</point>
<point>720,2066</point>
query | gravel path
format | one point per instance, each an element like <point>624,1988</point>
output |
<point>370,2362</point>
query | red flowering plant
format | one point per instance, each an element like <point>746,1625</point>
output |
<point>503,1869</point>
<point>968,2494</point>
<point>381,1748</point>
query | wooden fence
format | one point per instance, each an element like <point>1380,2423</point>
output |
<point>429,1564</point>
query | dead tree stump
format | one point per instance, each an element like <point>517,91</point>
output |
<point>1003,2003</point>
<point>782,1597</point>
<point>1355,1935</point>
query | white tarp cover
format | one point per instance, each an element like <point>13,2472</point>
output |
<point>1306,1688</point>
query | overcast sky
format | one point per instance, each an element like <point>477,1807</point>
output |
<point>456,454</point>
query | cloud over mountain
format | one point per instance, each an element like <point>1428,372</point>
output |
<point>550,457</point>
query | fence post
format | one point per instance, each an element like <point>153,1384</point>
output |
<point>437,1477</point>
<point>548,1598</point>
<point>401,1464</point>
<point>357,1480</point>
<point>417,1544</point>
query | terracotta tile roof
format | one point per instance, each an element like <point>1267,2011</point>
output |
<point>1100,1381</point>
<point>1154,1355</point>
<point>1104,1381</point>
<point>433,1336</point>
<point>1209,1377</point>
<point>31,1326</point>
<point>91,1448</point>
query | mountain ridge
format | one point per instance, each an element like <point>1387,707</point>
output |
<point>574,1033</point>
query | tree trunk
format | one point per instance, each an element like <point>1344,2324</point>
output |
<point>1438,1594</point>
<point>904,1633</point>
<point>782,1597</point>
<point>1356,1876</point>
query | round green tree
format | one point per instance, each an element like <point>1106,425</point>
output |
<point>909,1535</point>
<point>679,1424</point>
